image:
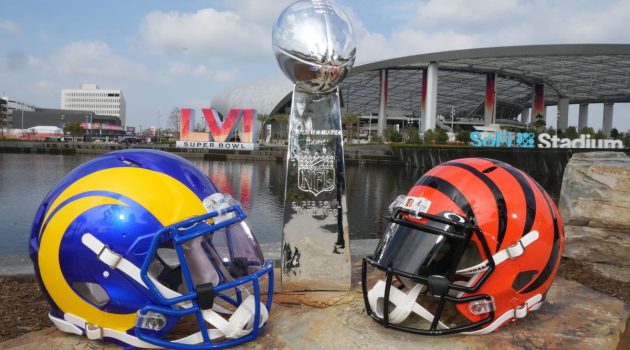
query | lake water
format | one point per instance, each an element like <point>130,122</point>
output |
<point>26,178</point>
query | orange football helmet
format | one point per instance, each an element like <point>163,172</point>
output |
<point>474,244</point>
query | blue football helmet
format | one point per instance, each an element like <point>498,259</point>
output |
<point>137,247</point>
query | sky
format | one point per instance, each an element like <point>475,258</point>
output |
<point>166,54</point>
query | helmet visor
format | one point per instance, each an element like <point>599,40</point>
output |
<point>418,251</point>
<point>223,255</point>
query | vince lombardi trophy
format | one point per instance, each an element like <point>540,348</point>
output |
<point>314,44</point>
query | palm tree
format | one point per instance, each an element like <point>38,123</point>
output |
<point>349,119</point>
<point>283,119</point>
<point>263,119</point>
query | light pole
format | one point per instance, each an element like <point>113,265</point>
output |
<point>557,120</point>
<point>157,133</point>
<point>22,110</point>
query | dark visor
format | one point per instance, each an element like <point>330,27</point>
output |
<point>414,250</point>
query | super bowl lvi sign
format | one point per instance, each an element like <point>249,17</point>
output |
<point>224,134</point>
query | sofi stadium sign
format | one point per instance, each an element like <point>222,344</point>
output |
<point>224,134</point>
<point>545,140</point>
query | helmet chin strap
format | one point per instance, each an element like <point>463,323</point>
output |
<point>405,303</point>
<point>239,324</point>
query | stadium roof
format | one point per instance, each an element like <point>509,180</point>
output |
<point>584,73</point>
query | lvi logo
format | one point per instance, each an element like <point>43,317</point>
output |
<point>220,130</point>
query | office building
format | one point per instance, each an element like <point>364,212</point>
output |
<point>89,97</point>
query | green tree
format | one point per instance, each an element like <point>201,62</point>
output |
<point>441,136</point>
<point>588,131</point>
<point>413,137</point>
<point>173,121</point>
<point>463,136</point>
<point>550,131</point>
<point>430,137</point>
<point>283,120</point>
<point>263,119</point>
<point>348,120</point>
<point>73,129</point>
<point>539,123</point>
<point>615,134</point>
<point>626,138</point>
<point>392,135</point>
<point>571,132</point>
<point>599,135</point>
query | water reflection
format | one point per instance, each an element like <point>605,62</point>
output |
<point>26,178</point>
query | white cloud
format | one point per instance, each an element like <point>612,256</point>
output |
<point>45,87</point>
<point>96,60</point>
<point>439,25</point>
<point>464,13</point>
<point>226,75</point>
<point>179,69</point>
<point>216,35</point>
<point>550,23</point>
<point>260,12</point>
<point>16,62</point>
<point>9,26</point>
<point>200,71</point>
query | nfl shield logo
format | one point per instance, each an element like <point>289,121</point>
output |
<point>316,174</point>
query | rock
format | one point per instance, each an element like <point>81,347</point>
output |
<point>574,317</point>
<point>597,245</point>
<point>619,273</point>
<point>594,205</point>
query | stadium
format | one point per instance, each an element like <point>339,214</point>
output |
<point>482,88</point>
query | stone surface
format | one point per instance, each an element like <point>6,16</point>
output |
<point>575,317</point>
<point>594,205</point>
<point>619,273</point>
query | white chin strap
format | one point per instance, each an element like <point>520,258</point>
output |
<point>239,324</point>
<point>405,300</point>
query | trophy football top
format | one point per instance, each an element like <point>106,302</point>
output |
<point>314,44</point>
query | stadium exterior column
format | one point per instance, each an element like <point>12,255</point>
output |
<point>539,102</point>
<point>382,103</point>
<point>525,115</point>
<point>429,97</point>
<point>490,113</point>
<point>583,116</point>
<point>608,118</point>
<point>563,114</point>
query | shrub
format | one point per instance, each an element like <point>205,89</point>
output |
<point>463,136</point>
<point>441,136</point>
<point>429,137</point>
<point>413,136</point>
<point>571,132</point>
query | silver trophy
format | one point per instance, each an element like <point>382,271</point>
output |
<point>314,44</point>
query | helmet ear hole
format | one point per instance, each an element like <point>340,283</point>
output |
<point>92,292</point>
<point>523,279</point>
<point>489,170</point>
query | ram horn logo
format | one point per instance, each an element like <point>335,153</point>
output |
<point>316,173</point>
